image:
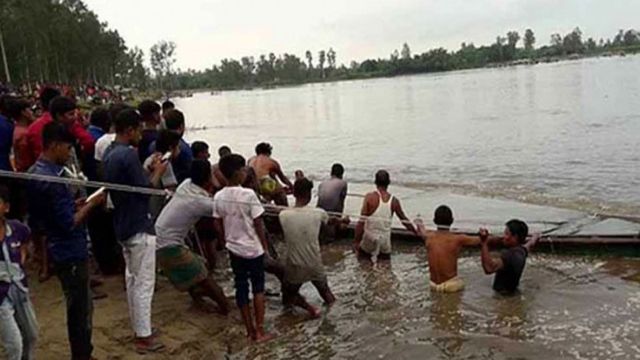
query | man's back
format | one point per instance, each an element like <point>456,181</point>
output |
<point>238,208</point>
<point>331,194</point>
<point>301,227</point>
<point>263,166</point>
<point>507,279</point>
<point>443,249</point>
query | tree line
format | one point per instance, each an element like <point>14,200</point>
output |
<point>271,70</point>
<point>62,41</point>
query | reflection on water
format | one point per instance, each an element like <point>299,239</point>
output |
<point>568,307</point>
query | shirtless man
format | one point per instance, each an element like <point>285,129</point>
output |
<point>268,172</point>
<point>219,181</point>
<point>443,249</point>
<point>373,234</point>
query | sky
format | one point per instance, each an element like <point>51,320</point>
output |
<point>206,31</point>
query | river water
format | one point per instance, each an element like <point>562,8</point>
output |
<point>562,134</point>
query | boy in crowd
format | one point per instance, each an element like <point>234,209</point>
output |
<point>237,213</point>
<point>18,325</point>
<point>150,112</point>
<point>133,226</point>
<point>200,150</point>
<point>186,270</point>
<point>166,144</point>
<point>301,227</point>
<point>443,249</point>
<point>510,265</point>
<point>219,181</point>
<point>174,121</point>
<point>53,206</point>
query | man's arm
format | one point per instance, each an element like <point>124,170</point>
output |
<point>259,225</point>
<point>531,243</point>
<point>397,209</point>
<point>219,228</point>
<point>489,264</point>
<point>281,175</point>
<point>365,211</point>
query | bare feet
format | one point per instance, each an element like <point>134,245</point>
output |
<point>262,337</point>
<point>148,345</point>
<point>314,313</point>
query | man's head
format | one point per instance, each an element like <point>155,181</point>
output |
<point>174,121</point>
<point>167,105</point>
<point>200,150</point>
<point>224,150</point>
<point>150,112</point>
<point>264,149</point>
<point>101,118</point>
<point>57,143</point>
<point>302,190</point>
<point>5,104</point>
<point>128,126</point>
<point>168,141</point>
<point>63,110</point>
<point>232,167</point>
<point>337,170</point>
<point>443,217</point>
<point>201,174</point>
<point>116,108</point>
<point>515,233</point>
<point>382,179</point>
<point>19,109</point>
<point>5,205</point>
<point>46,95</point>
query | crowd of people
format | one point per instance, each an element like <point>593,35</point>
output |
<point>235,205</point>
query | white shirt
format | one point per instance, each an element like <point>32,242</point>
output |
<point>102,144</point>
<point>168,178</point>
<point>189,204</point>
<point>238,207</point>
<point>301,227</point>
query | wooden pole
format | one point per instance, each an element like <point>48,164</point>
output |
<point>4,58</point>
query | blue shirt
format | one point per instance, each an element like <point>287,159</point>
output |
<point>131,214</point>
<point>52,206</point>
<point>149,136</point>
<point>95,132</point>
<point>90,167</point>
<point>16,235</point>
<point>182,164</point>
<point>6,142</point>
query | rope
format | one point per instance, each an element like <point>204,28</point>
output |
<point>274,208</point>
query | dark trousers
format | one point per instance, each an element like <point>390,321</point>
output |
<point>74,278</point>
<point>243,271</point>
<point>104,246</point>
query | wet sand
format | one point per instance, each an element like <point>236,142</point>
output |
<point>569,307</point>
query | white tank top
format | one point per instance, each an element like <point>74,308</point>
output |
<point>378,225</point>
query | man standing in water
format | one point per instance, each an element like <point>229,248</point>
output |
<point>510,265</point>
<point>301,227</point>
<point>373,232</point>
<point>331,196</point>
<point>443,249</point>
<point>268,171</point>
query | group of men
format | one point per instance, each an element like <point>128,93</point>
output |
<point>144,147</point>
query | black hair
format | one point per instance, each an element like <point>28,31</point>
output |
<point>116,108</point>
<point>443,216</point>
<point>200,172</point>
<point>198,147</point>
<point>337,170</point>
<point>5,197</point>
<point>231,163</point>
<point>53,133</point>
<point>5,103</point>
<point>263,149</point>
<point>167,140</point>
<point>168,105</point>
<point>46,95</point>
<point>302,187</point>
<point>60,105</point>
<point>16,106</point>
<point>224,150</point>
<point>127,119</point>
<point>174,119</point>
<point>519,229</point>
<point>382,179</point>
<point>147,108</point>
<point>101,118</point>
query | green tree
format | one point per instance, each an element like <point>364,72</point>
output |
<point>631,37</point>
<point>406,52</point>
<point>529,40</point>
<point>309,58</point>
<point>322,57</point>
<point>572,42</point>
<point>162,59</point>
<point>331,58</point>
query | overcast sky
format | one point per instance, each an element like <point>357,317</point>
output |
<point>206,31</point>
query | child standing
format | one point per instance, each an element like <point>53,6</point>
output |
<point>238,219</point>
<point>18,326</point>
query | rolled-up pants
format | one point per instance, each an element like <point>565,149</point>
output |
<point>140,275</point>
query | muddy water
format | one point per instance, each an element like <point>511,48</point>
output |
<point>568,307</point>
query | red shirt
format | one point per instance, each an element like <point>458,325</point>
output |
<point>20,148</point>
<point>34,138</point>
